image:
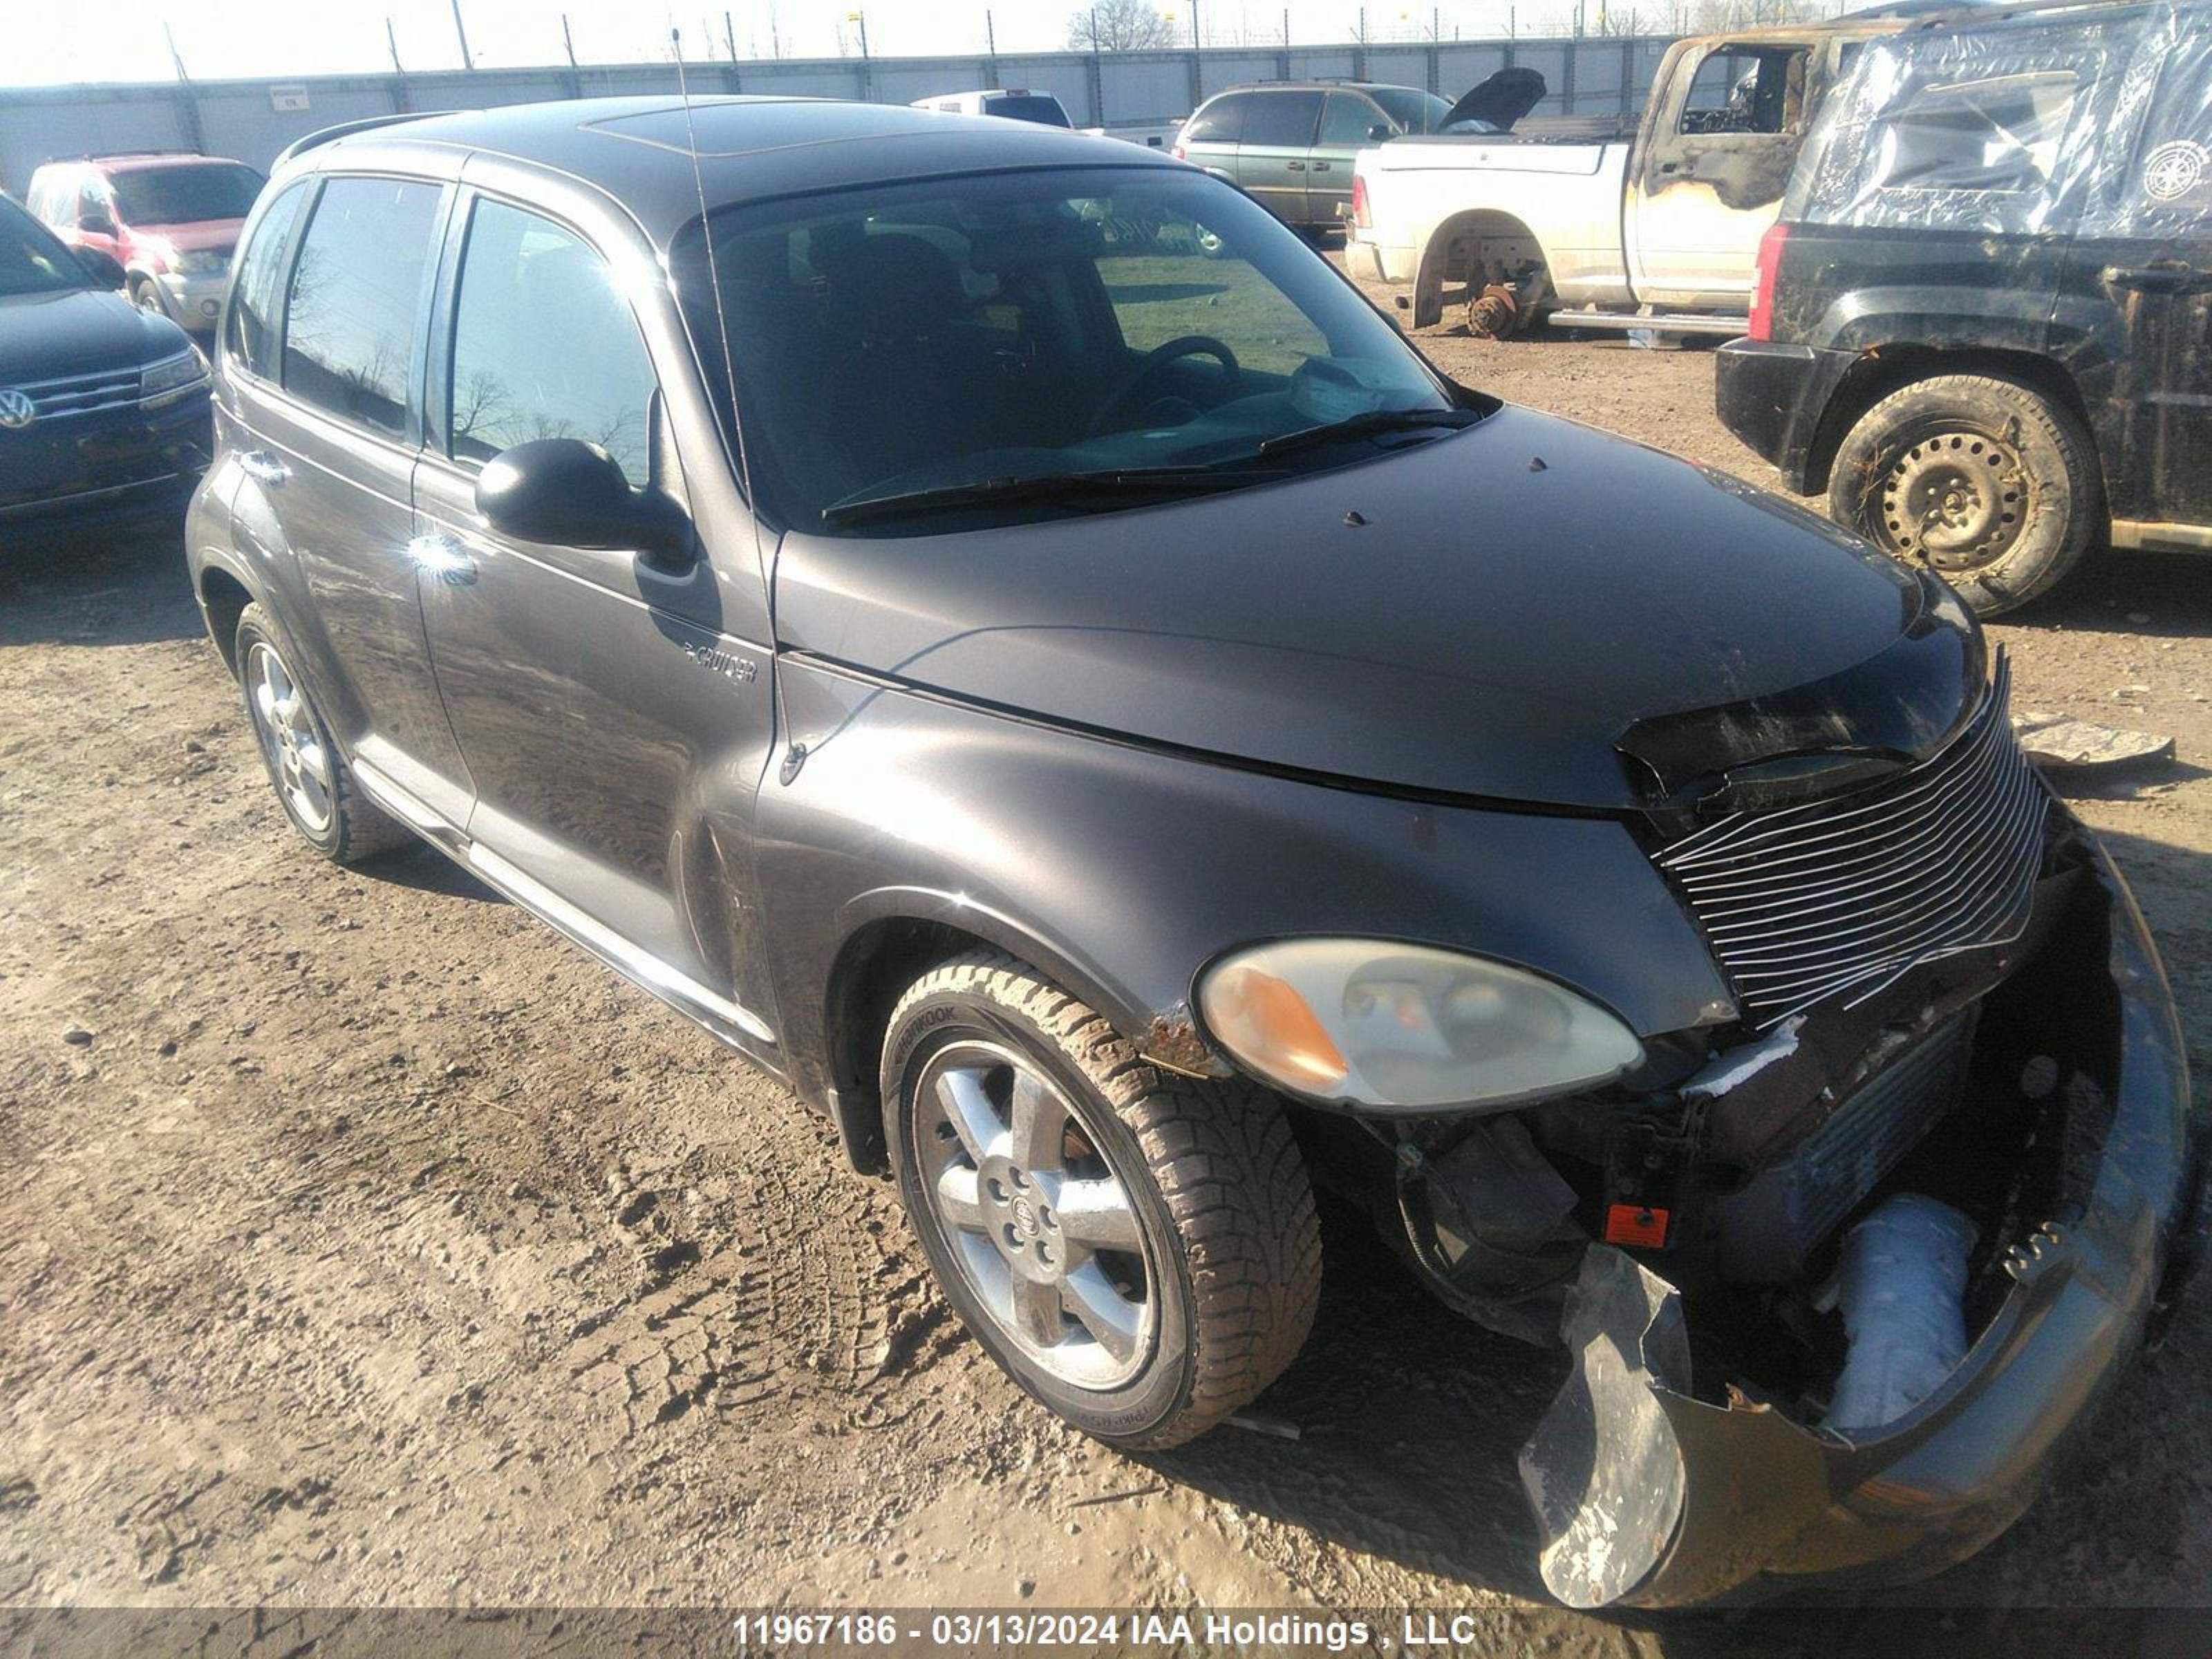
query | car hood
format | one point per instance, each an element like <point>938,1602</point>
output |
<point>77,331</point>
<point>1525,610</point>
<point>221,235</point>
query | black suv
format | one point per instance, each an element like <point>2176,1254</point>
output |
<point>990,625</point>
<point>103,409</point>
<point>1984,322</point>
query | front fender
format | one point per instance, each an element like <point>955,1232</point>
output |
<point>1122,870</point>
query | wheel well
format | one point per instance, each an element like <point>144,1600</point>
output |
<point>1877,373</point>
<point>873,970</point>
<point>225,598</point>
<point>1483,244</point>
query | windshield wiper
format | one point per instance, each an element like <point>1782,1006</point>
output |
<point>1044,486</point>
<point>1362,425</point>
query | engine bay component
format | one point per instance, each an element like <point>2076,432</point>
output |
<point>1900,1284</point>
<point>1491,1224</point>
<point>1767,1232</point>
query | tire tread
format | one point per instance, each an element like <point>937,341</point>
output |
<point>1225,1159</point>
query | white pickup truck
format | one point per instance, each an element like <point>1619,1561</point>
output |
<point>1654,227</point>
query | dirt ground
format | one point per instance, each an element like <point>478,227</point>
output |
<point>365,1243</point>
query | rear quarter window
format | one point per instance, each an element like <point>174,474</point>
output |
<point>1221,122</point>
<point>353,319</point>
<point>250,329</point>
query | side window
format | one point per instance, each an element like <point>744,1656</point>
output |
<point>544,346</point>
<point>250,330</point>
<point>1739,89</point>
<point>2165,187</point>
<point>1283,120</point>
<point>1991,133</point>
<point>1221,122</point>
<point>356,296</point>
<point>1349,121</point>
<point>91,204</point>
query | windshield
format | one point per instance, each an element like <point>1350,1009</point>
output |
<point>185,195</point>
<point>1045,112</point>
<point>927,338</point>
<point>1413,110</point>
<point>31,261</point>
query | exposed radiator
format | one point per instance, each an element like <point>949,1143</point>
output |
<point>1769,1229</point>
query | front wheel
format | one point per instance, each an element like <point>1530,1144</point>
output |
<point>1138,1250</point>
<point>146,298</point>
<point>1985,481</point>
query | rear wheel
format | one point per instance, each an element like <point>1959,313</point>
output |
<point>1983,480</point>
<point>1139,1250</point>
<point>314,784</point>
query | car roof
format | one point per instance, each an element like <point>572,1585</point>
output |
<point>1320,86</point>
<point>638,150</point>
<point>135,161</point>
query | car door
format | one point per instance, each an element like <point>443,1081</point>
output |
<point>2134,320</point>
<point>615,712</point>
<point>1716,154</point>
<point>1350,122</point>
<point>329,413</point>
<point>1275,152</point>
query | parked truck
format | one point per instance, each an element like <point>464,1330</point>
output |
<point>1654,225</point>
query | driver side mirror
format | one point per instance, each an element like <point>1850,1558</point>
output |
<point>1381,132</point>
<point>101,267</point>
<point>567,493</point>
<point>97,224</point>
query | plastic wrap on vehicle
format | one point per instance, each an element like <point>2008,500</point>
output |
<point>2029,124</point>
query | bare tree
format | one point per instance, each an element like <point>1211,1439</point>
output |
<point>1120,26</point>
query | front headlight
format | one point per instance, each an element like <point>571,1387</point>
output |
<point>203,261</point>
<point>170,379</point>
<point>1406,1027</point>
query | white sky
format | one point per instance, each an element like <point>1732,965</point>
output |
<point>46,42</point>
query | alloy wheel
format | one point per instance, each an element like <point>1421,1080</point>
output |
<point>285,724</point>
<point>1040,1225</point>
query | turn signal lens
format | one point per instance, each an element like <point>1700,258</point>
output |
<point>1253,1012</point>
<point>1407,1027</point>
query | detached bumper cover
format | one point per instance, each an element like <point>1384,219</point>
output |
<point>1648,1497</point>
<point>1772,396</point>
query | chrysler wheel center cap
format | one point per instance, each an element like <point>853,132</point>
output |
<point>1025,1218</point>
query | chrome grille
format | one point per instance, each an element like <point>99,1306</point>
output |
<point>82,394</point>
<point>1811,902</point>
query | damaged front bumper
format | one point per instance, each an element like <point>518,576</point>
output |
<point>1650,1494</point>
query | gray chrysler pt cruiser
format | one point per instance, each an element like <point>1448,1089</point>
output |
<point>992,626</point>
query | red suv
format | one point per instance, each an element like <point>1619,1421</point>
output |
<point>170,220</point>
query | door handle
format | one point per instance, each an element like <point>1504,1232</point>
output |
<point>2163,277</point>
<point>262,467</point>
<point>1321,167</point>
<point>1670,167</point>
<point>1294,166</point>
<point>443,558</point>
